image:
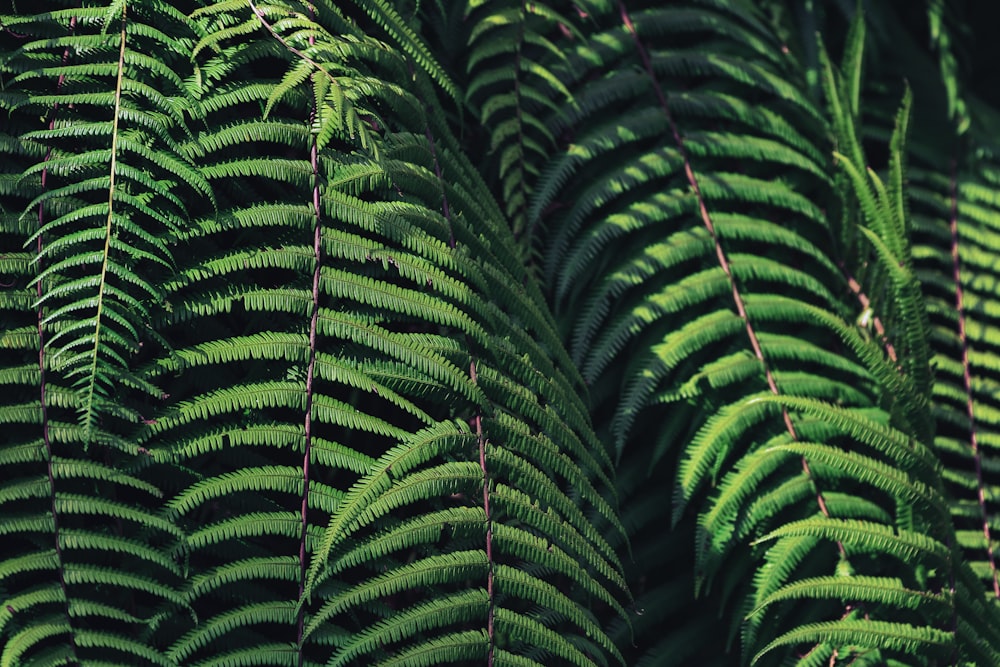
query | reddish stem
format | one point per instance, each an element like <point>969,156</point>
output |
<point>267,26</point>
<point>477,423</point>
<point>719,251</point>
<point>445,208</point>
<point>956,268</point>
<point>865,302</point>
<point>310,370</point>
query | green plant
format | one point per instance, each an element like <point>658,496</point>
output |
<point>495,332</point>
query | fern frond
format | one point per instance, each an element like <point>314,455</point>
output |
<point>512,65</point>
<point>875,590</point>
<point>108,240</point>
<point>870,634</point>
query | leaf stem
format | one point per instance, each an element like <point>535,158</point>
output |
<point>267,26</point>
<point>108,226</point>
<point>477,420</point>
<point>720,253</point>
<point>865,302</point>
<point>956,266</point>
<point>445,208</point>
<point>477,423</point>
<point>310,371</point>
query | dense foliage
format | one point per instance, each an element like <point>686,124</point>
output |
<point>496,332</point>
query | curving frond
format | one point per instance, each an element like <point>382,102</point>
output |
<point>100,173</point>
<point>711,302</point>
<point>358,257</point>
<point>418,333</point>
<point>114,172</point>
